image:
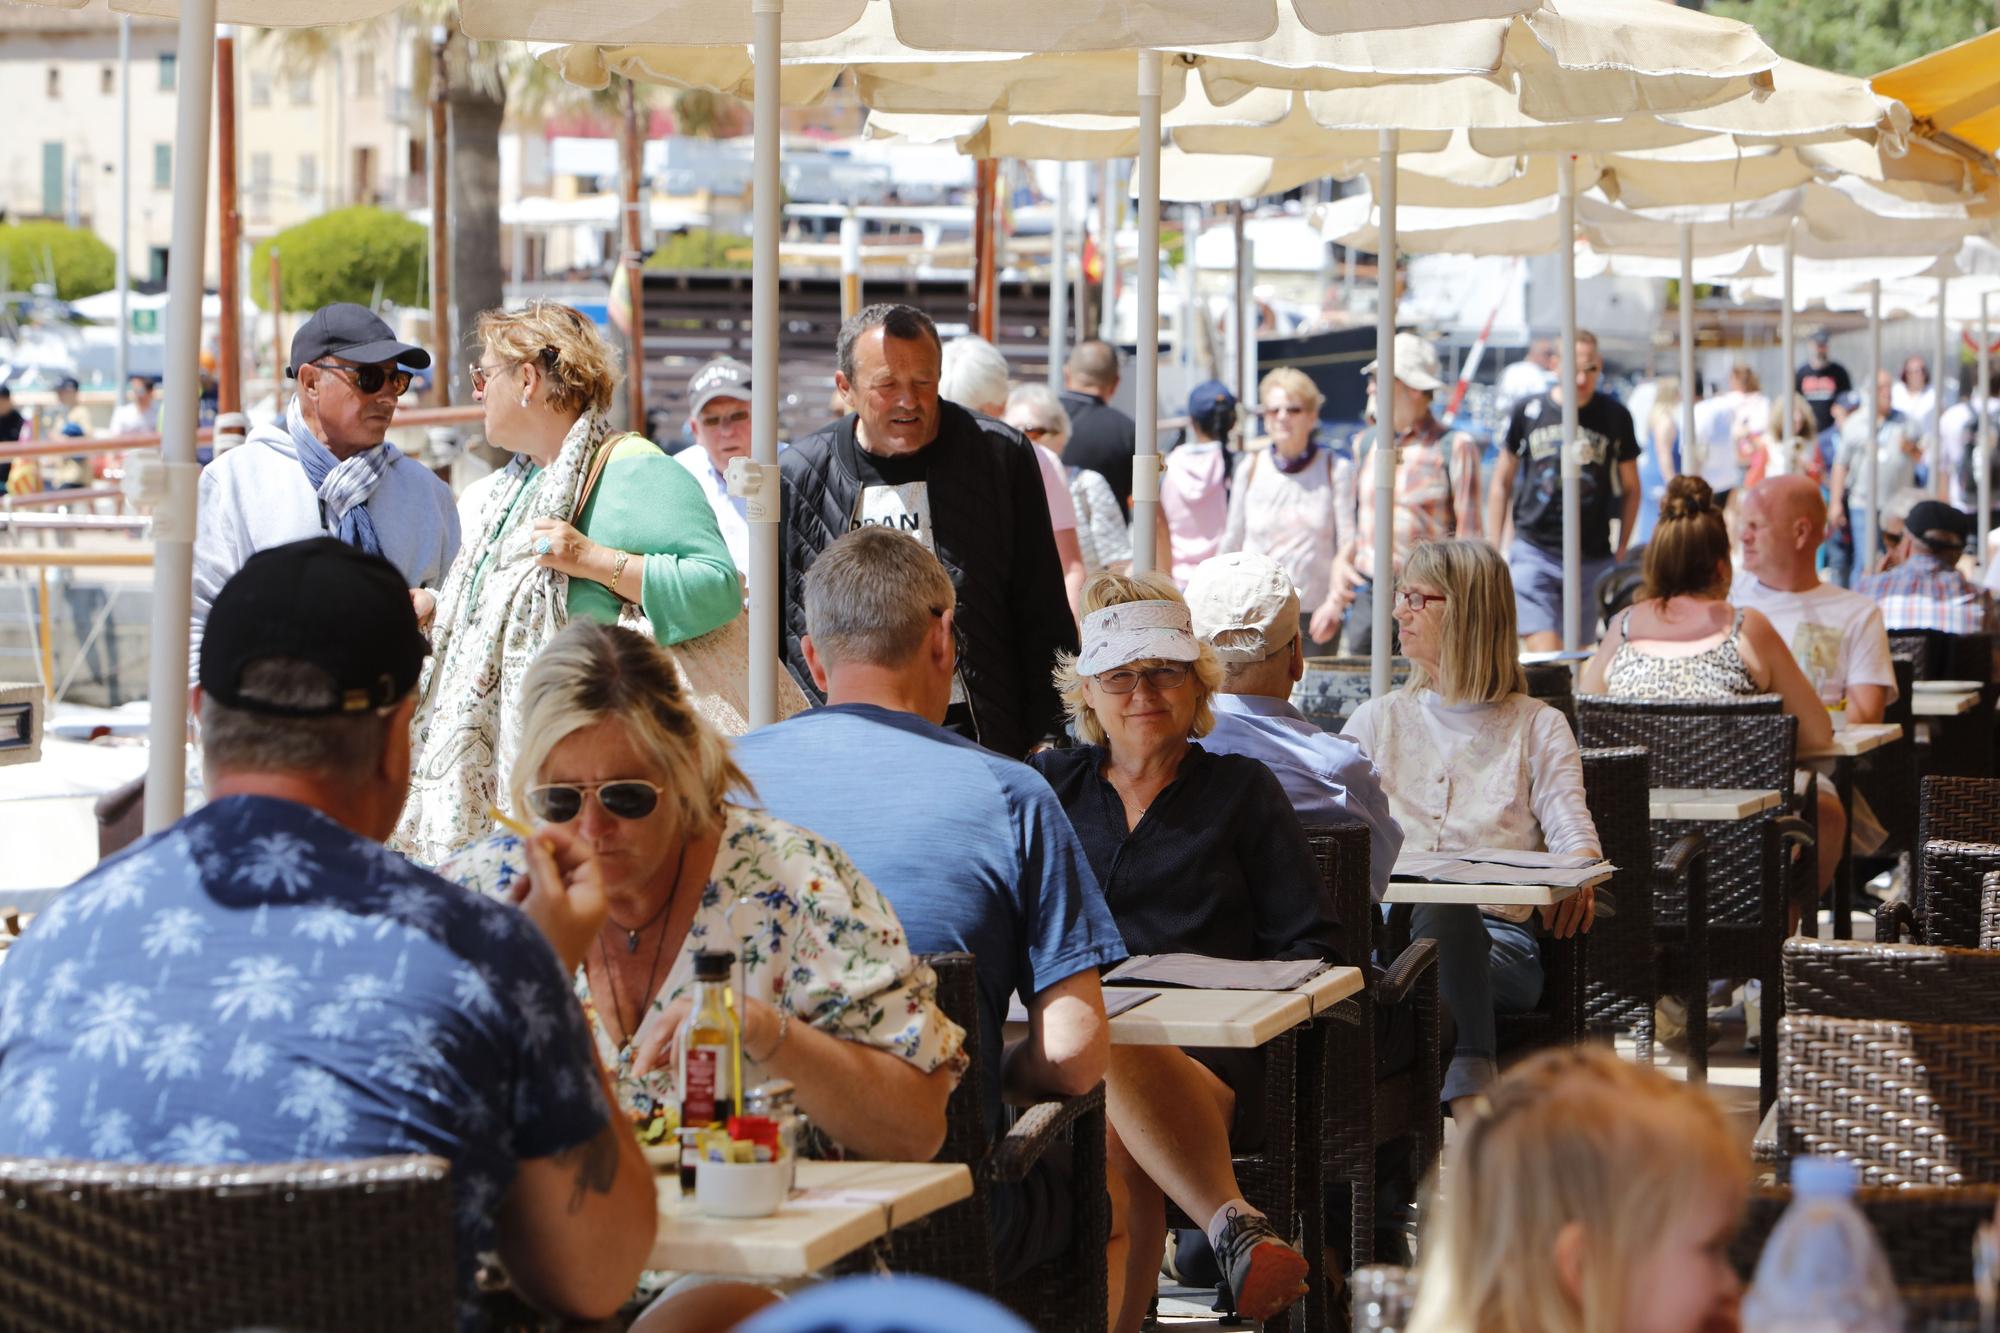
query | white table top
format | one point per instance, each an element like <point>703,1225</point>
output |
<point>1237,1019</point>
<point>1479,895</point>
<point>1945,686</point>
<point>1944,703</point>
<point>1856,740</point>
<point>838,1208</point>
<point>1710,803</point>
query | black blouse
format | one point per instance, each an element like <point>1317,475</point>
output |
<point>1217,865</point>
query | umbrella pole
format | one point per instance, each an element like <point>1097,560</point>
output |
<point>1692,450</point>
<point>124,203</point>
<point>1572,482</point>
<point>170,483</point>
<point>1246,372</point>
<point>1982,521</point>
<point>1059,278</point>
<point>1385,418</point>
<point>1864,550</point>
<point>1107,246</point>
<point>1146,392</point>
<point>1786,335</point>
<point>1934,437</point>
<point>762,489</point>
<point>632,163</point>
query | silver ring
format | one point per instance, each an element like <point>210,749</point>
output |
<point>543,546</point>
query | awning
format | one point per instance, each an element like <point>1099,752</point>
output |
<point>1953,93</point>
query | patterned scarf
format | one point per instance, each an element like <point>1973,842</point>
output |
<point>496,611</point>
<point>342,484</point>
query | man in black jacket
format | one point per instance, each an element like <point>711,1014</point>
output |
<point>1101,438</point>
<point>965,486</point>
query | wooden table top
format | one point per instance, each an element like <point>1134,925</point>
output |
<point>837,1209</point>
<point>1720,804</point>
<point>1944,703</point>
<point>1857,740</point>
<point>1479,895</point>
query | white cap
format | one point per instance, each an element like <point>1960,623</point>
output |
<point>1416,364</point>
<point>1244,605</point>
<point>1136,632</point>
<point>724,377</point>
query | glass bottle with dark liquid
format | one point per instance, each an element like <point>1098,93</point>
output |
<point>708,1059</point>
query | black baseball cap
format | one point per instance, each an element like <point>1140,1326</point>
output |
<point>319,601</point>
<point>1935,523</point>
<point>354,332</point>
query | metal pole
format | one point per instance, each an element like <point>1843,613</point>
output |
<point>124,202</point>
<point>1693,451</point>
<point>1934,437</point>
<point>48,630</point>
<point>763,493</point>
<point>1190,292</point>
<point>170,482</point>
<point>1572,474</point>
<point>984,177</point>
<point>229,352</point>
<point>278,357</point>
<point>1787,334</point>
<point>1107,236</point>
<point>1385,417</point>
<point>632,159</point>
<point>1146,391</point>
<point>440,229</point>
<point>850,264</point>
<point>1080,291</point>
<point>1059,278</point>
<point>1984,472</point>
<point>1246,384</point>
<point>1864,551</point>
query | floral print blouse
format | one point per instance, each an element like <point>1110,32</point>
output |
<point>814,936</point>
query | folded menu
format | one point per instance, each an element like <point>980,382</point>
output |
<point>1204,973</point>
<point>1494,865</point>
<point>1116,1002</point>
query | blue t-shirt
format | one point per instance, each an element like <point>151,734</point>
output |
<point>260,984</point>
<point>971,848</point>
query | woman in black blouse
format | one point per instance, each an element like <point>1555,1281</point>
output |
<point>1195,853</point>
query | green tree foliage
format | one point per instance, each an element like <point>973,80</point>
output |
<point>83,265</point>
<point>1861,37</point>
<point>351,254</point>
<point>699,248</point>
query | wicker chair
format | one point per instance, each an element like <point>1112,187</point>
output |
<point>1358,1115</point>
<point>956,1244</point>
<point>1989,911</point>
<point>1729,743</point>
<point>89,1246</point>
<point>1958,844</point>
<point>1925,1231</point>
<point>1964,747</point>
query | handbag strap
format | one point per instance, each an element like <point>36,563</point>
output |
<point>597,462</point>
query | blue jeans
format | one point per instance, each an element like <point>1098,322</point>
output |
<point>1486,966</point>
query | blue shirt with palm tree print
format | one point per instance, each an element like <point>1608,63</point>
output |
<point>260,984</point>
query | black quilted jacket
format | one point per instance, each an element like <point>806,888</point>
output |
<point>990,519</point>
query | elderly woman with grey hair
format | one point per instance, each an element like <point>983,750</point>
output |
<point>1199,853</point>
<point>1101,533</point>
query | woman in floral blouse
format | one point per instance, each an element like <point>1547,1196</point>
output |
<point>832,999</point>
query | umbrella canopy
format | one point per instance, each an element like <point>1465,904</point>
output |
<point>1954,93</point>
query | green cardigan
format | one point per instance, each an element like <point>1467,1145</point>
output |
<point>647,504</point>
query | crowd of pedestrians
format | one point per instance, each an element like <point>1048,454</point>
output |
<point>1016,747</point>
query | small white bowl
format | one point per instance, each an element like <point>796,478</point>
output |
<point>741,1189</point>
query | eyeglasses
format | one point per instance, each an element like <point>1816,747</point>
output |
<point>727,420</point>
<point>622,798</point>
<point>1415,602</point>
<point>482,373</point>
<point>368,380</point>
<point>1036,432</point>
<point>1169,676</point>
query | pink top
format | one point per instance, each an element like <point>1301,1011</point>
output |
<point>1055,483</point>
<point>1196,503</point>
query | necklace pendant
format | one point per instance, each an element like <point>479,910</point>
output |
<point>631,941</point>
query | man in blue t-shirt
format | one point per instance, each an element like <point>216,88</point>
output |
<point>985,861</point>
<point>265,982</point>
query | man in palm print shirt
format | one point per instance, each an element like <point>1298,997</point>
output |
<point>265,982</point>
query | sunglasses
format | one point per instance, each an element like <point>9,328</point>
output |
<point>1126,679</point>
<point>727,419</point>
<point>1036,432</point>
<point>368,380</point>
<point>622,798</point>
<point>482,373</point>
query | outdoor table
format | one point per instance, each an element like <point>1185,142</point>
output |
<point>838,1208</point>
<point>1849,744</point>
<point>1571,655</point>
<point>1238,1019</point>
<point>1944,703</point>
<point>1719,804</point>
<point>1423,893</point>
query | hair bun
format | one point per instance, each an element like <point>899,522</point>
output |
<point>1687,497</point>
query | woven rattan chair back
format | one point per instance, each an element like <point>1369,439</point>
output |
<point>1622,978</point>
<point>89,1246</point>
<point>1912,983</point>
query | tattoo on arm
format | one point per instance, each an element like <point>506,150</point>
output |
<point>596,1162</point>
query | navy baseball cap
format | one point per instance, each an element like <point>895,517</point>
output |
<point>1936,523</point>
<point>1207,396</point>
<point>67,382</point>
<point>354,333</point>
<point>320,601</point>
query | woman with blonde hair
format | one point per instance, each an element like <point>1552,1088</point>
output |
<point>586,521</point>
<point>1198,853</point>
<point>1594,1195</point>
<point>610,743</point>
<point>1293,501</point>
<point>1469,760</point>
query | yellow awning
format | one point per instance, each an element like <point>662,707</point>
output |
<point>1953,93</point>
